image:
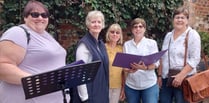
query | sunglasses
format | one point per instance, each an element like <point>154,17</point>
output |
<point>36,15</point>
<point>140,26</point>
<point>117,32</point>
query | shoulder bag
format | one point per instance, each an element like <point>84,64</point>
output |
<point>174,71</point>
<point>196,87</point>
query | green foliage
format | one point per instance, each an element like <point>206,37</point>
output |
<point>157,14</point>
<point>204,42</point>
<point>71,53</point>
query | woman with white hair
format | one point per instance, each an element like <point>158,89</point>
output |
<point>89,49</point>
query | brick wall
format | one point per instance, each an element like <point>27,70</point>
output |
<point>68,35</point>
<point>199,20</point>
<point>199,15</point>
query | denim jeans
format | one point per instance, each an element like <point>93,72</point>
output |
<point>170,94</point>
<point>149,95</point>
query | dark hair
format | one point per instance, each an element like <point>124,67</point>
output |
<point>181,10</point>
<point>137,21</point>
<point>32,5</point>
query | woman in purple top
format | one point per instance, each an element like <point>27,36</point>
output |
<point>21,58</point>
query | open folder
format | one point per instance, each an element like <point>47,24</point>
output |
<point>124,60</point>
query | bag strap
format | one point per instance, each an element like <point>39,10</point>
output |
<point>185,52</point>
<point>27,34</point>
<point>186,47</point>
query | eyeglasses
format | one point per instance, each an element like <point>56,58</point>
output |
<point>179,17</point>
<point>36,15</point>
<point>117,32</point>
<point>139,26</point>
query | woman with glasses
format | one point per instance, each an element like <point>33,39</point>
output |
<point>22,55</point>
<point>141,81</point>
<point>178,57</point>
<point>114,41</point>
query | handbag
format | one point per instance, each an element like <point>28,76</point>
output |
<point>196,87</point>
<point>170,78</point>
<point>174,71</point>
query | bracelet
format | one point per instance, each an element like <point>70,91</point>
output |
<point>159,75</point>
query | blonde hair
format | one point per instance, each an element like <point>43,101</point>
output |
<point>93,14</point>
<point>117,28</point>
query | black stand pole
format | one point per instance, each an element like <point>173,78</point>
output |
<point>64,93</point>
<point>71,95</point>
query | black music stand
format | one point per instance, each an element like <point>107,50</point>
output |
<point>60,79</point>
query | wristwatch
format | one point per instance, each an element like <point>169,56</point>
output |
<point>159,75</point>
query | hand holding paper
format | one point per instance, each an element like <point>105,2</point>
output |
<point>140,65</point>
<point>124,60</point>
